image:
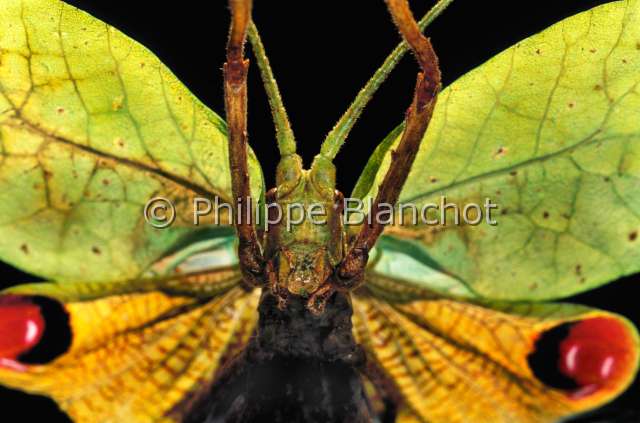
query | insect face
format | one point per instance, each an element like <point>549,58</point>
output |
<point>305,245</point>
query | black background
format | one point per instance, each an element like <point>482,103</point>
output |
<point>322,53</point>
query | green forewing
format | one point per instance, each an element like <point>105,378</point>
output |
<point>550,131</point>
<point>92,126</point>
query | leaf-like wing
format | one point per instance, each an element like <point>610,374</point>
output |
<point>93,126</point>
<point>549,131</point>
<point>447,361</point>
<point>136,355</point>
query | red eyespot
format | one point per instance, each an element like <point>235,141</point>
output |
<point>21,325</point>
<point>595,352</point>
<point>583,357</point>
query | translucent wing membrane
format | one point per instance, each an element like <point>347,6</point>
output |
<point>92,127</point>
<point>447,361</point>
<point>139,356</point>
<point>548,131</point>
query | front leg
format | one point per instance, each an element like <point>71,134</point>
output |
<point>318,300</point>
<point>277,288</point>
<point>235,94</point>
<point>351,270</point>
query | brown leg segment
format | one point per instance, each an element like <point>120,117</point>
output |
<point>235,94</point>
<point>351,271</point>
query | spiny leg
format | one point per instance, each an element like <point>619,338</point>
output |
<point>351,271</point>
<point>284,134</point>
<point>235,94</point>
<point>336,138</point>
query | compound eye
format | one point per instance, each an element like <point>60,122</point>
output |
<point>289,173</point>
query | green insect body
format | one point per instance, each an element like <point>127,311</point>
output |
<point>304,255</point>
